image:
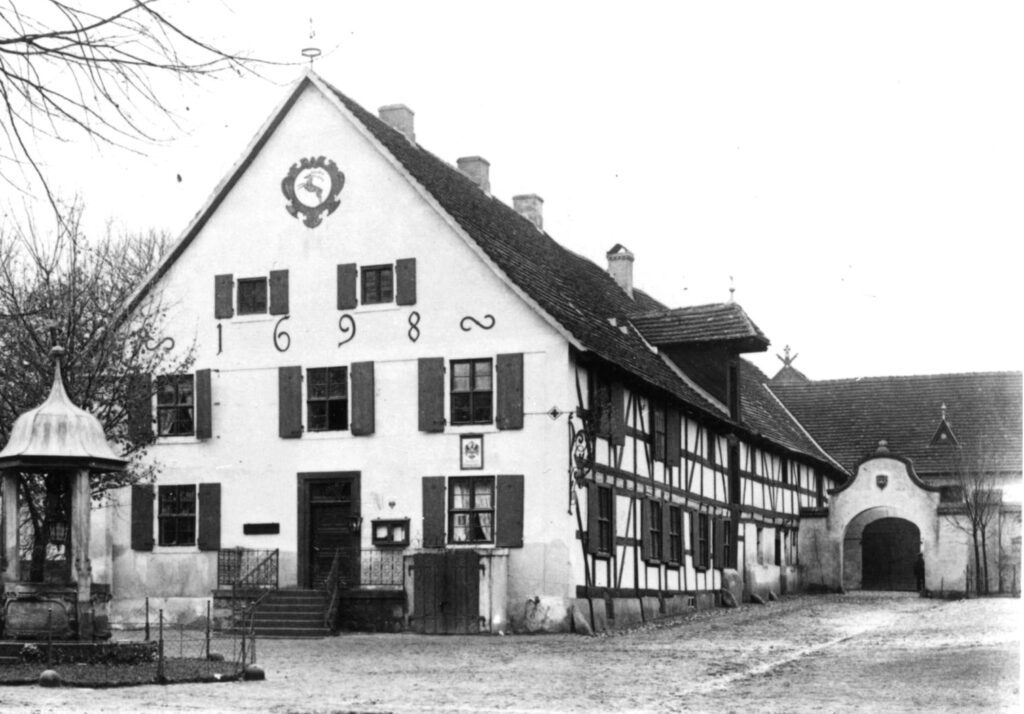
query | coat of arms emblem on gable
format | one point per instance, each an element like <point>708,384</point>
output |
<point>312,187</point>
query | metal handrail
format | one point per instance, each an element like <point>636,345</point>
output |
<point>333,590</point>
<point>259,567</point>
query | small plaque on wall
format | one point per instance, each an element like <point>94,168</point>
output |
<point>261,528</point>
<point>471,451</point>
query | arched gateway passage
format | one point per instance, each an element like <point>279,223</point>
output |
<point>889,548</point>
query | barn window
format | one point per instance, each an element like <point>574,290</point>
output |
<point>728,549</point>
<point>252,296</point>
<point>175,401</point>
<point>177,515</point>
<point>702,548</point>
<point>655,530</point>
<point>675,534</point>
<point>778,546</point>
<point>658,431</point>
<point>472,391</point>
<point>327,399</point>
<point>471,510</point>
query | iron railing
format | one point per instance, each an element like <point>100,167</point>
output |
<point>247,568</point>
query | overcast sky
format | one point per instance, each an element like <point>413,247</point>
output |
<point>856,169</point>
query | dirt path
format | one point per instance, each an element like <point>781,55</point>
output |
<point>835,653</point>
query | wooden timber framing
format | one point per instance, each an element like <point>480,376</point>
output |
<point>722,478</point>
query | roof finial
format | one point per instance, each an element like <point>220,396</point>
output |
<point>732,289</point>
<point>311,52</point>
<point>943,411</point>
<point>787,360</point>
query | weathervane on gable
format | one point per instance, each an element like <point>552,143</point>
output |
<point>787,360</point>
<point>311,53</point>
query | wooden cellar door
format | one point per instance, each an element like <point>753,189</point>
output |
<point>446,593</point>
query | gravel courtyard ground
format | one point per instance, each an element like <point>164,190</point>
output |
<point>858,652</point>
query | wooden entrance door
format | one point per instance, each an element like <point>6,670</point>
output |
<point>446,593</point>
<point>328,508</point>
<point>889,548</point>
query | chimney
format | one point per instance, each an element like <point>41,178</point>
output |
<point>531,207</point>
<point>620,267</point>
<point>478,170</point>
<point>400,117</point>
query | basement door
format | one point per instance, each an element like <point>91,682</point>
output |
<point>889,547</point>
<point>328,508</point>
<point>446,593</point>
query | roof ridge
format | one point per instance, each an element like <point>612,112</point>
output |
<point>899,377</point>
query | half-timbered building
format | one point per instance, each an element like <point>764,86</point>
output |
<point>406,394</point>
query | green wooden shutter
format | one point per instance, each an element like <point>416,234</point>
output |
<point>223,297</point>
<point>142,517</point>
<point>666,533</point>
<point>278,292</point>
<point>347,278</point>
<point>673,437</point>
<point>362,398</point>
<point>204,405</point>
<point>593,510</point>
<point>694,539</point>
<point>140,408</point>
<point>209,516</point>
<point>618,414</point>
<point>716,543</point>
<point>510,391</point>
<point>509,531</point>
<point>289,399</point>
<point>433,511</point>
<point>405,272</point>
<point>645,529</point>
<point>431,394</point>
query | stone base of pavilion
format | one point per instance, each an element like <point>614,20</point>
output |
<point>34,611</point>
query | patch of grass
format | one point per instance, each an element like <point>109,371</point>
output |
<point>176,671</point>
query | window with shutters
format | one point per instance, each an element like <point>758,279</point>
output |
<point>654,529</point>
<point>471,509</point>
<point>658,431</point>
<point>378,284</point>
<point>327,399</point>
<point>175,405</point>
<point>252,296</point>
<point>675,535</point>
<point>472,392</point>
<point>176,518</point>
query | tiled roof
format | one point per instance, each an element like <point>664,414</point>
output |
<point>761,412</point>
<point>847,417</point>
<point>699,324</point>
<point>578,294</point>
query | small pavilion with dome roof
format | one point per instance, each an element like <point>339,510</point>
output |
<point>67,443</point>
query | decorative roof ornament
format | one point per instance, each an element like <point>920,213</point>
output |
<point>787,361</point>
<point>311,53</point>
<point>944,435</point>
<point>732,289</point>
<point>58,435</point>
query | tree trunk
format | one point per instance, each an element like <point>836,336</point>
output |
<point>984,557</point>
<point>977,561</point>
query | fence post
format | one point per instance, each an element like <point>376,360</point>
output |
<point>160,650</point>
<point>207,629</point>
<point>147,619</point>
<point>49,637</point>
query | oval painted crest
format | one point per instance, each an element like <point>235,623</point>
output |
<point>312,186</point>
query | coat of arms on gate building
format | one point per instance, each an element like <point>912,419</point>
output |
<point>882,480</point>
<point>312,187</point>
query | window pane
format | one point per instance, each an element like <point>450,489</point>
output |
<point>317,416</point>
<point>482,530</point>
<point>184,389</point>
<point>481,407</point>
<point>460,408</point>
<point>337,383</point>
<point>482,495</point>
<point>460,495</point>
<point>482,374</point>
<point>317,383</point>
<point>386,285</point>
<point>337,415</point>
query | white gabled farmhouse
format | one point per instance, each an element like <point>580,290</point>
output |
<point>405,388</point>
